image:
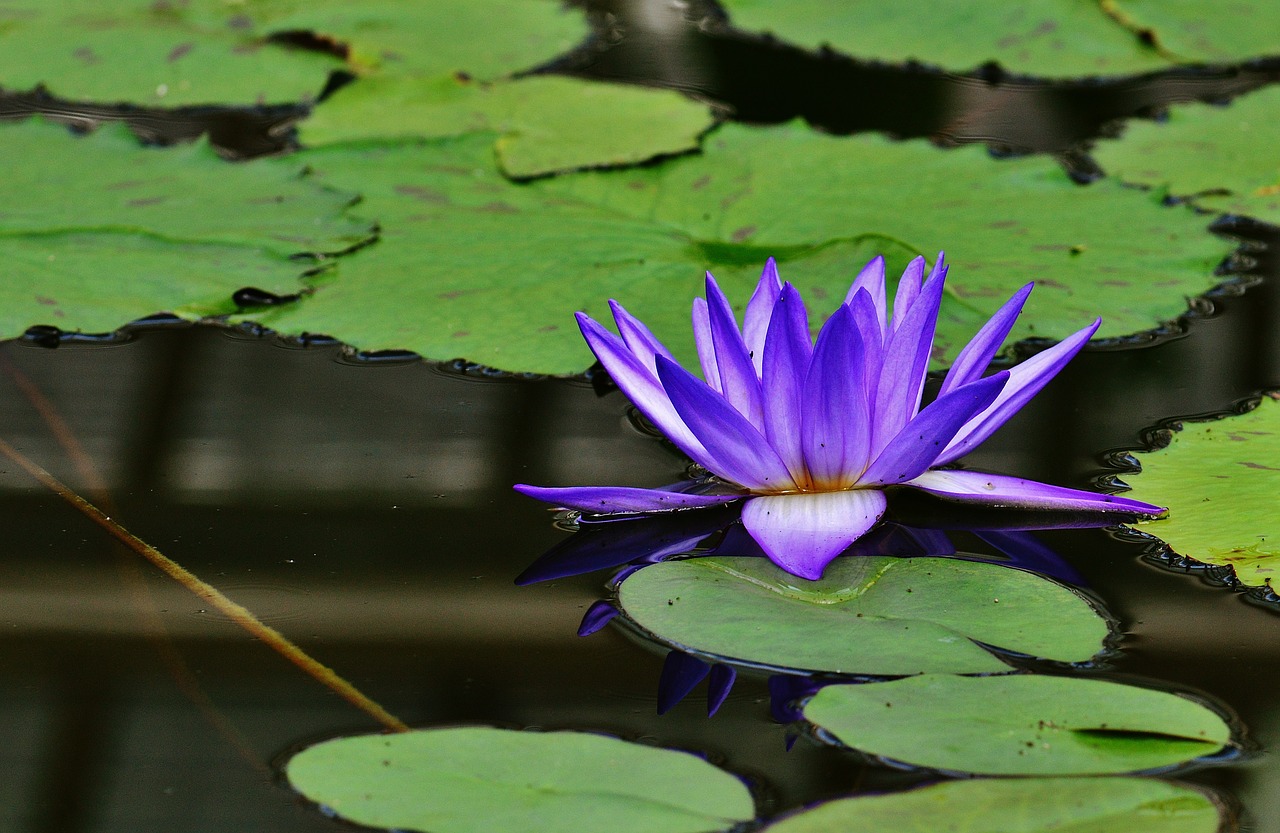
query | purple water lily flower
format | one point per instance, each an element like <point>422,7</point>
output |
<point>811,434</point>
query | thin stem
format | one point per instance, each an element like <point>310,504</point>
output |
<point>237,613</point>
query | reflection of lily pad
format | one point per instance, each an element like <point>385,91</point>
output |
<point>547,123</point>
<point>1019,725</point>
<point>483,780</point>
<point>1024,805</point>
<point>1220,480</point>
<point>472,265</point>
<point>151,230</point>
<point>867,615</point>
<point>1225,158</point>
<point>1063,38</point>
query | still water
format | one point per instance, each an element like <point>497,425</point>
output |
<point>364,509</point>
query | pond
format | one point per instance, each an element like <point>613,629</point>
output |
<point>361,504</point>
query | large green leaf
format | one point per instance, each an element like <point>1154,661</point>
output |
<point>547,123</point>
<point>150,230</point>
<point>1063,38</point>
<point>473,265</point>
<point>1224,158</point>
<point>1220,481</point>
<point>484,780</point>
<point>1019,725</point>
<point>1024,805</point>
<point>867,615</point>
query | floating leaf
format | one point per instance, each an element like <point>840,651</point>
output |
<point>547,123</point>
<point>867,615</point>
<point>483,779</point>
<point>473,265</point>
<point>1061,38</point>
<point>1223,158</point>
<point>187,228</point>
<point>1018,725</point>
<point>1024,805</point>
<point>1220,480</point>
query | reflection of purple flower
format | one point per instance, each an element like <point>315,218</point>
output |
<point>812,434</point>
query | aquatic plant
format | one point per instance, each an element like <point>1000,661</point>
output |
<point>812,434</point>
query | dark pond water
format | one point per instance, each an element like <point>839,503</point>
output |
<point>365,510</point>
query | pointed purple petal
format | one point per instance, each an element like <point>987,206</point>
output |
<point>639,384</point>
<point>718,687</point>
<point>641,341</point>
<point>735,450</point>
<point>904,298</point>
<point>864,315</point>
<point>738,380</point>
<point>680,673</point>
<point>981,349</point>
<point>920,442</point>
<point>871,278</point>
<point>786,361</point>
<point>597,616</point>
<point>1014,492</point>
<point>605,499</point>
<point>705,344</point>
<point>755,321</point>
<point>1025,381</point>
<point>802,533</point>
<point>906,361</point>
<point>835,433</point>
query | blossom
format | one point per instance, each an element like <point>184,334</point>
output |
<point>809,435</point>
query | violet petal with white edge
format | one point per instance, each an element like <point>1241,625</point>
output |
<point>871,278</point>
<point>738,380</point>
<point>611,499</point>
<point>803,532</point>
<point>755,321</point>
<point>705,343</point>
<point>788,350</point>
<point>644,345</point>
<point>1014,492</point>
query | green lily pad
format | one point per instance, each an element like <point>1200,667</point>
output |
<point>1224,158</point>
<point>479,779</point>
<point>868,615</point>
<point>186,228</point>
<point>1024,805</point>
<point>1057,38</point>
<point>1019,725</point>
<point>546,123</point>
<point>473,265</point>
<point>1220,480</point>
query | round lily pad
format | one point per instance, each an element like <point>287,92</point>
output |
<point>1023,805</point>
<point>1018,724</point>
<point>1220,480</point>
<point>481,779</point>
<point>867,615</point>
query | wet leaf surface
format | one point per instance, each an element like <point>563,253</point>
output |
<point>1025,805</point>
<point>1019,724</point>
<point>868,615</point>
<point>484,779</point>
<point>1220,480</point>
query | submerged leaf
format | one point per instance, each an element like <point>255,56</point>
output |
<point>1024,805</point>
<point>1019,725</point>
<point>1220,480</point>
<point>868,615</point>
<point>480,780</point>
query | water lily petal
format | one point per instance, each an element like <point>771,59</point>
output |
<point>734,449</point>
<point>871,278</point>
<point>1014,492</point>
<point>605,499</point>
<point>719,685</point>
<point>981,349</point>
<point>597,616</point>
<point>705,344</point>
<point>680,673</point>
<point>906,361</point>
<point>835,432</point>
<point>755,321</point>
<point>787,352</point>
<point>639,338</point>
<point>1025,381</point>
<point>738,380</point>
<point>904,297</point>
<point>802,533</point>
<point>920,442</point>
<point>864,315</point>
<point>639,384</point>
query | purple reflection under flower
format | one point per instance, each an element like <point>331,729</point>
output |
<point>810,435</point>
